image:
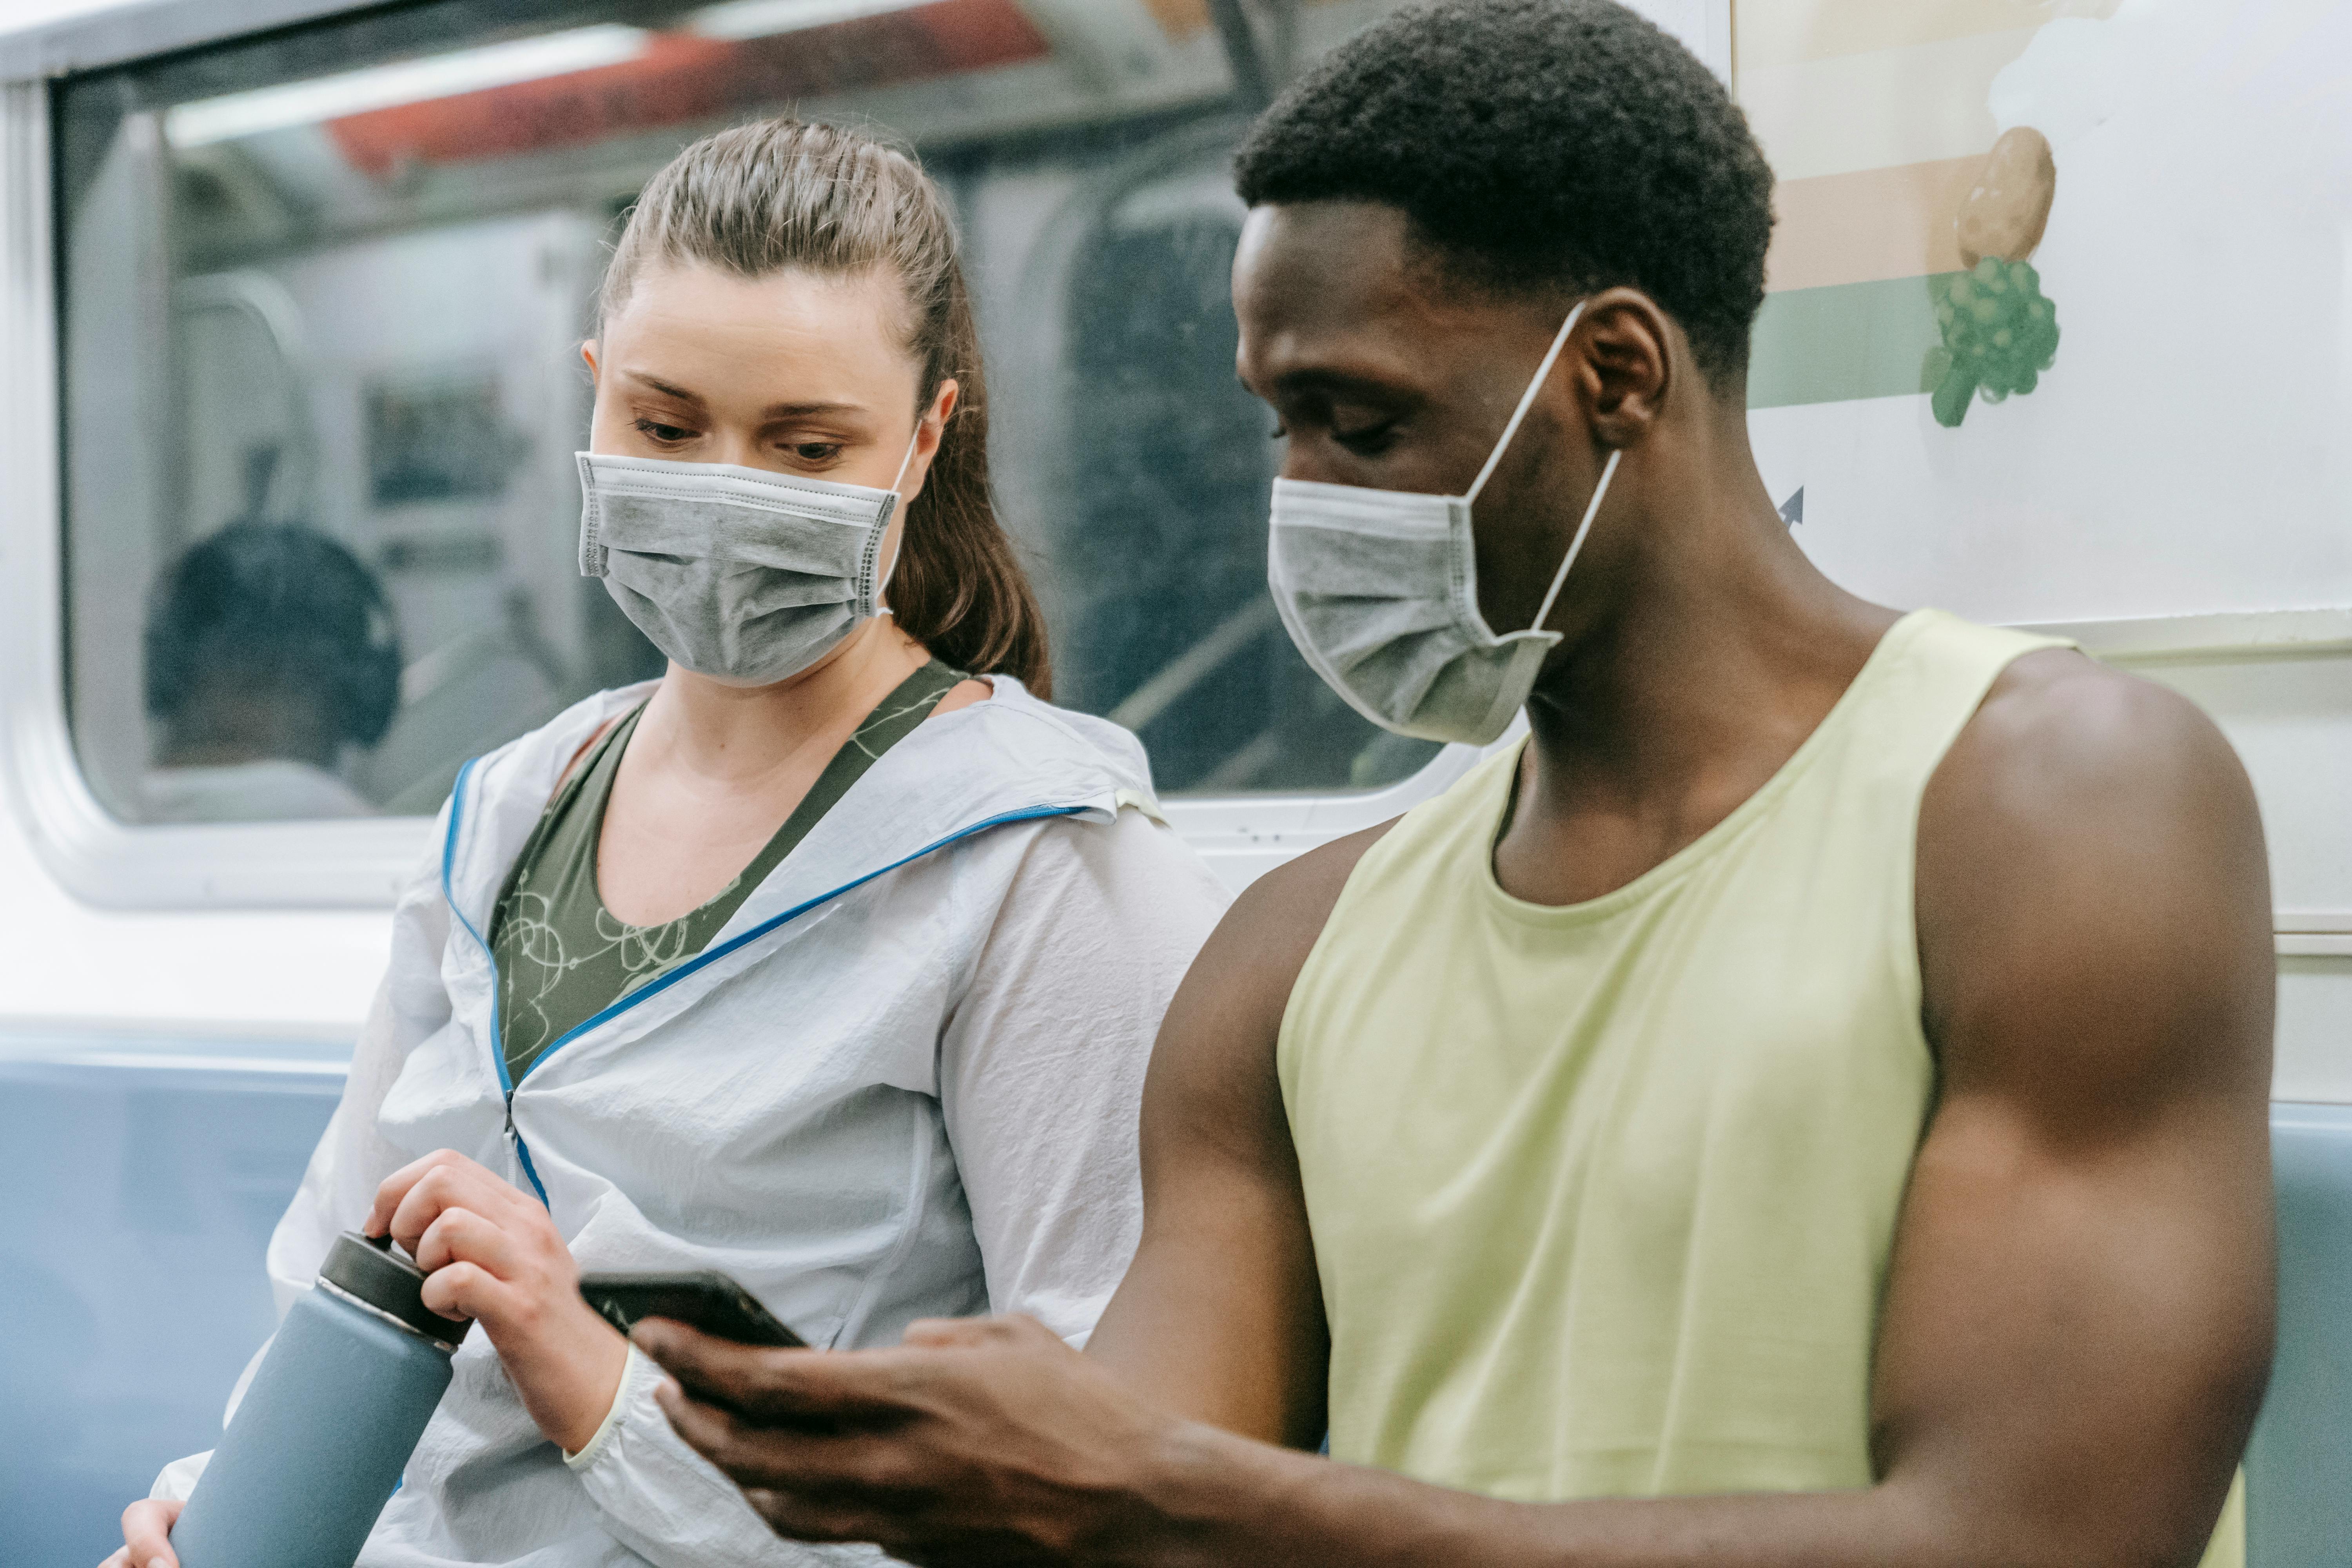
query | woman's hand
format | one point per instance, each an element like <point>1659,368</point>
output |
<point>146,1535</point>
<point>490,1253</point>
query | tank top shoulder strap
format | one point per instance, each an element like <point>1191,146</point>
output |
<point>1924,683</point>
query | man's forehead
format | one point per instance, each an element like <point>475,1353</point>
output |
<point>1340,290</point>
<point>1321,259</point>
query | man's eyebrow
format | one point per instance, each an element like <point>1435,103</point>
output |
<point>1330,380</point>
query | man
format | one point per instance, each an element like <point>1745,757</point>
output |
<point>269,649</point>
<point>1805,1108</point>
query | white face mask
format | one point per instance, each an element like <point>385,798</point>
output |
<point>1380,591</point>
<point>741,574</point>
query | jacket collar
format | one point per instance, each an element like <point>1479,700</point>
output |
<point>1010,757</point>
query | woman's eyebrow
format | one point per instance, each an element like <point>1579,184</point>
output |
<point>775,411</point>
<point>803,410</point>
<point>664,388</point>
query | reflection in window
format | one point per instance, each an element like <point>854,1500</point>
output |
<point>270,654</point>
<point>1179,639</point>
<point>323,294</point>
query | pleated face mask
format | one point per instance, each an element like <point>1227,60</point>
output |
<point>741,574</point>
<point>1380,591</point>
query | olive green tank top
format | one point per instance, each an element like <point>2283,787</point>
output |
<point>563,957</point>
<point>1603,1195</point>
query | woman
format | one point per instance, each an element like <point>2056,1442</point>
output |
<point>831,960</point>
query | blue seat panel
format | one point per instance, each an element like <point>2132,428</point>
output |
<point>141,1199</point>
<point>143,1187</point>
<point>2299,1466</point>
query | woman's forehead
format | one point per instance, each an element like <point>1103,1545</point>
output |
<point>691,320</point>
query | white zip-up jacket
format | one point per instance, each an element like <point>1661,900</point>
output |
<point>901,1082</point>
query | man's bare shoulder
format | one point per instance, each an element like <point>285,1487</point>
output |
<point>2090,850</point>
<point>1221,1027</point>
<point>2067,756</point>
<point>2057,720</point>
<point>1281,914</point>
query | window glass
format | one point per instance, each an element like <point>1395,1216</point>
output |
<point>323,293</point>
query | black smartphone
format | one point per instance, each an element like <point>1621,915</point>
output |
<point>701,1299</point>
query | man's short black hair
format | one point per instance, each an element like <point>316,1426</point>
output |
<point>1538,145</point>
<point>275,610</point>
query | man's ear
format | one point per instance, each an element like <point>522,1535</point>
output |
<point>1627,364</point>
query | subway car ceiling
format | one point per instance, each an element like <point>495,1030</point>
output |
<point>348,265</point>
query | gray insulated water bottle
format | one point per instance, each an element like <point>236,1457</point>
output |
<point>317,1445</point>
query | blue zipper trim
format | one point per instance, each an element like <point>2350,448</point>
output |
<point>498,1034</point>
<point>707,956</point>
<point>529,1169</point>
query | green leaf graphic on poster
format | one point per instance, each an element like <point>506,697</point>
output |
<point>1999,334</point>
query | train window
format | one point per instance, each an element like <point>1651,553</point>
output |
<point>322,291</point>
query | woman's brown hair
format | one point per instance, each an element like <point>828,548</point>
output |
<point>780,194</point>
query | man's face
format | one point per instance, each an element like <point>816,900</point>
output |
<point>1384,374</point>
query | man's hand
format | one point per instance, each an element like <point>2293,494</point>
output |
<point>490,1253</point>
<point>985,1441</point>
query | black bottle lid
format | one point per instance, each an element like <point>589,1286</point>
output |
<point>370,1271</point>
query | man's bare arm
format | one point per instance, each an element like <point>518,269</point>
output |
<point>2078,1313</point>
<point>2079,1316</point>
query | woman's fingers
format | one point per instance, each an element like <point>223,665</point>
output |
<point>462,1236</point>
<point>411,1197</point>
<point>147,1535</point>
<point>394,1189</point>
<point>465,1291</point>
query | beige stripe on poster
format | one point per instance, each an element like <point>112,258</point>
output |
<point>1868,227</point>
<point>1918,104</point>
<point>1788,32</point>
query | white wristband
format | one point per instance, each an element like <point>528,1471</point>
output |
<point>611,1422</point>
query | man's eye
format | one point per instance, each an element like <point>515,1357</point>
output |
<point>1281,433</point>
<point>1367,439</point>
<point>667,435</point>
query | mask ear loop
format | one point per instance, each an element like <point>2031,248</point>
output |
<point>1608,472</point>
<point>900,477</point>
<point>908,461</point>
<point>1526,401</point>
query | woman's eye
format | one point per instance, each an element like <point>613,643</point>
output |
<point>667,435</point>
<point>816,451</point>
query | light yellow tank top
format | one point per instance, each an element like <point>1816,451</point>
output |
<point>1603,1194</point>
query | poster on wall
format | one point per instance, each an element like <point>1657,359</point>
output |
<point>2058,325</point>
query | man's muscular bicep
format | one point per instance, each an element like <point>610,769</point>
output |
<point>2077,1324</point>
<point>1221,1316</point>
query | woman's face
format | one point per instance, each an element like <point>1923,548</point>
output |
<point>800,372</point>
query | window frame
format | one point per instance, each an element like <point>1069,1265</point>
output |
<point>345,863</point>
<point>101,860</point>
